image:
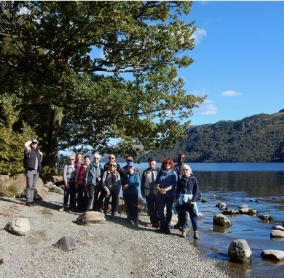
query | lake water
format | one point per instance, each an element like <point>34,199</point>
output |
<point>258,185</point>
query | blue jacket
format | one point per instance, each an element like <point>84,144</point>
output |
<point>188,186</point>
<point>166,178</point>
<point>133,182</point>
<point>93,172</point>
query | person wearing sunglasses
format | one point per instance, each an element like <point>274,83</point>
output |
<point>111,185</point>
<point>69,174</point>
<point>93,180</point>
<point>166,182</point>
<point>32,164</point>
<point>187,194</point>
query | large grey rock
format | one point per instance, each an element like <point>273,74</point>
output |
<point>275,255</point>
<point>265,217</point>
<point>277,234</point>
<point>18,226</point>
<point>90,218</point>
<point>240,252</point>
<point>231,212</point>
<point>66,243</point>
<point>221,220</point>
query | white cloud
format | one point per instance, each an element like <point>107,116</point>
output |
<point>208,108</point>
<point>230,93</point>
<point>198,35</point>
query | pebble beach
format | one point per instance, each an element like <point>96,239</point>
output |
<point>112,249</point>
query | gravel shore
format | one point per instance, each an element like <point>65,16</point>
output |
<point>113,249</point>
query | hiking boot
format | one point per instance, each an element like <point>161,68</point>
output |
<point>195,235</point>
<point>183,233</point>
<point>63,208</point>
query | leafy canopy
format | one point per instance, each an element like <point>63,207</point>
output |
<point>83,73</point>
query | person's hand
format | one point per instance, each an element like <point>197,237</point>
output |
<point>125,187</point>
<point>99,179</point>
<point>163,191</point>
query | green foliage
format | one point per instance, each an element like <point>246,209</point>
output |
<point>10,191</point>
<point>11,142</point>
<point>259,138</point>
<point>87,72</point>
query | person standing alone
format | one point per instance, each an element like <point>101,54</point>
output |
<point>32,165</point>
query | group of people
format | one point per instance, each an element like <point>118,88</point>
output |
<point>161,187</point>
<point>89,186</point>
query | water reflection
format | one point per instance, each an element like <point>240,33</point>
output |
<point>261,184</point>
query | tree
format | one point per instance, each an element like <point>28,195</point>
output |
<point>86,72</point>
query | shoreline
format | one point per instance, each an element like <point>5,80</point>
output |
<point>112,249</point>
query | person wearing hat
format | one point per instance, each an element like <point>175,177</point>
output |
<point>123,172</point>
<point>149,192</point>
<point>32,165</point>
<point>130,190</point>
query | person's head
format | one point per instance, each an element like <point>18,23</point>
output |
<point>87,159</point>
<point>78,157</point>
<point>97,158</point>
<point>129,159</point>
<point>151,162</point>
<point>34,143</point>
<point>181,158</point>
<point>168,164</point>
<point>186,170</point>
<point>131,167</point>
<point>71,159</point>
<point>112,166</point>
<point>111,157</point>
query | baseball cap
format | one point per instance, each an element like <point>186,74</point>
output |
<point>130,164</point>
<point>34,140</point>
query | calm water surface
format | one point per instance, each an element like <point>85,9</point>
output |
<point>258,185</point>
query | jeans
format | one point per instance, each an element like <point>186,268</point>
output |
<point>32,177</point>
<point>71,190</point>
<point>114,197</point>
<point>82,198</point>
<point>187,207</point>
<point>165,219</point>
<point>152,205</point>
<point>90,194</point>
<point>131,202</point>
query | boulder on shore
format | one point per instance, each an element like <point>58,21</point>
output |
<point>18,226</point>
<point>221,220</point>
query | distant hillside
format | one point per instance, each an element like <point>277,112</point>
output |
<point>258,138</point>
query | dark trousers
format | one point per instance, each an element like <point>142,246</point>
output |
<point>99,196</point>
<point>152,205</point>
<point>131,202</point>
<point>91,192</point>
<point>114,197</point>
<point>70,191</point>
<point>187,207</point>
<point>165,219</point>
<point>82,198</point>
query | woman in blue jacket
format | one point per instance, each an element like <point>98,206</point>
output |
<point>166,182</point>
<point>131,193</point>
<point>187,194</point>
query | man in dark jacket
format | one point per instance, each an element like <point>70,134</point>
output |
<point>32,164</point>
<point>149,192</point>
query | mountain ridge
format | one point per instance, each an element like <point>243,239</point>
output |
<point>256,138</point>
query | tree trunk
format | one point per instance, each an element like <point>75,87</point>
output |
<point>51,157</point>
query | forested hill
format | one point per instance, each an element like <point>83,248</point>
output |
<point>258,138</point>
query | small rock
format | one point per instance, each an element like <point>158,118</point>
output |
<point>275,255</point>
<point>221,220</point>
<point>66,243</point>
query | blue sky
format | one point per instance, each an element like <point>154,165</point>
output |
<point>239,61</point>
